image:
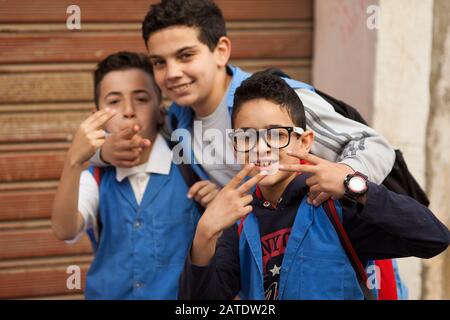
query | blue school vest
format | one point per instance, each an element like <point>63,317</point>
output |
<point>142,249</point>
<point>183,117</point>
<point>314,267</point>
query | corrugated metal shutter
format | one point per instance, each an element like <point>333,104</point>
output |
<point>46,91</point>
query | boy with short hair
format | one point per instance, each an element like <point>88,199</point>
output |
<point>189,49</point>
<point>144,221</point>
<point>274,244</point>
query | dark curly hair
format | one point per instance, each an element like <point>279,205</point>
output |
<point>122,61</point>
<point>268,86</point>
<point>204,15</point>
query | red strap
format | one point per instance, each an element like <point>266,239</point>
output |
<point>241,225</point>
<point>388,285</point>
<point>258,193</point>
<point>361,272</point>
<point>97,175</point>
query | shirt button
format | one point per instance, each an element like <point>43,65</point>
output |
<point>137,224</point>
<point>138,285</point>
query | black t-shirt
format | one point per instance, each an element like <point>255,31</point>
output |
<point>275,224</point>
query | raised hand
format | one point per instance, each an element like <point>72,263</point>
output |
<point>231,203</point>
<point>124,148</point>
<point>327,178</point>
<point>89,136</point>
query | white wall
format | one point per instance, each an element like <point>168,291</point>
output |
<point>385,73</point>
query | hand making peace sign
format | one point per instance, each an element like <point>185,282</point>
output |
<point>231,203</point>
<point>327,178</point>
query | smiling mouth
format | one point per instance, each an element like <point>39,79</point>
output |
<point>264,164</point>
<point>181,87</point>
<point>269,166</point>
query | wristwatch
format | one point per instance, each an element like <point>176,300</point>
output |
<point>355,186</point>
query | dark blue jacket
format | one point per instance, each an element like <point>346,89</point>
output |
<point>314,266</point>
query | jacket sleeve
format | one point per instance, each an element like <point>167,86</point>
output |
<point>220,280</point>
<point>97,161</point>
<point>391,225</point>
<point>340,139</point>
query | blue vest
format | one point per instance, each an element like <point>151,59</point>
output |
<point>142,248</point>
<point>314,266</point>
<point>185,116</point>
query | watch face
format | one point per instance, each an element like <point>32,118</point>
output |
<point>357,184</point>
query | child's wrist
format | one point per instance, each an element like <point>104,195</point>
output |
<point>206,231</point>
<point>100,156</point>
<point>72,161</point>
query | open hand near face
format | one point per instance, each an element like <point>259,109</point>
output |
<point>89,136</point>
<point>327,178</point>
<point>124,148</point>
<point>231,203</point>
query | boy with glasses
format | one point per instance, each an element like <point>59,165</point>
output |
<point>189,49</point>
<point>274,244</point>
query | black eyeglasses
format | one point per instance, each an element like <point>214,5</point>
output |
<point>245,140</point>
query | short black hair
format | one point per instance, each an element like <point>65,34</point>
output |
<point>204,15</point>
<point>119,61</point>
<point>268,86</point>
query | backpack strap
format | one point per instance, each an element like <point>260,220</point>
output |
<point>93,236</point>
<point>361,274</point>
<point>98,173</point>
<point>388,290</point>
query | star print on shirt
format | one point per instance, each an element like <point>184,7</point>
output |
<point>275,270</point>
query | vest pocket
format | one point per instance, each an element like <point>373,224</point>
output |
<point>321,276</point>
<point>172,239</point>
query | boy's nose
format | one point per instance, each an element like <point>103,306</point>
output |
<point>173,70</point>
<point>261,148</point>
<point>129,112</point>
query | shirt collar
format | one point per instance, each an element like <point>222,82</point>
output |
<point>183,117</point>
<point>292,195</point>
<point>159,161</point>
<point>238,75</point>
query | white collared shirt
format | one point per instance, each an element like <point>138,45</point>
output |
<point>160,161</point>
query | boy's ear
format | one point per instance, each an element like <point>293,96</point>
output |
<point>162,115</point>
<point>223,51</point>
<point>307,140</point>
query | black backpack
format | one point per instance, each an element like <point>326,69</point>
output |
<point>399,180</point>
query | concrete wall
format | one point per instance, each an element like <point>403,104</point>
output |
<point>341,68</point>
<point>385,72</point>
<point>437,271</point>
<point>401,93</point>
